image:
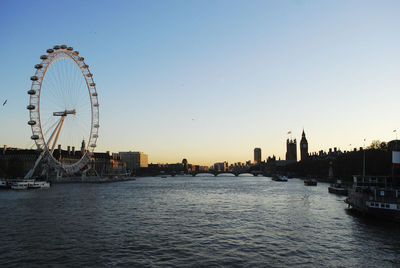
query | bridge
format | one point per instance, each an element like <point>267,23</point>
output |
<point>228,174</point>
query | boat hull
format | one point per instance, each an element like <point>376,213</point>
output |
<point>19,187</point>
<point>279,178</point>
<point>364,203</point>
<point>338,190</point>
<point>4,185</point>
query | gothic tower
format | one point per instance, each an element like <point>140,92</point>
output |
<point>291,150</point>
<point>83,146</point>
<point>303,147</point>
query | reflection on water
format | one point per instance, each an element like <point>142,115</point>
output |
<point>196,221</point>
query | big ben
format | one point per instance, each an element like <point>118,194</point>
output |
<point>303,147</point>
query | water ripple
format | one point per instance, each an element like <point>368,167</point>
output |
<point>183,221</point>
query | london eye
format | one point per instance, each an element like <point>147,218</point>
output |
<point>63,110</point>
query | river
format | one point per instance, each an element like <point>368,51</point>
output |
<point>190,221</point>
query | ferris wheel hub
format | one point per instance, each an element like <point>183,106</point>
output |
<point>64,113</point>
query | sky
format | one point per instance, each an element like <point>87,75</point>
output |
<point>211,80</point>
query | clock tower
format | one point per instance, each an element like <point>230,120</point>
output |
<point>303,147</point>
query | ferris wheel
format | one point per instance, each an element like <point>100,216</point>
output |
<point>63,110</point>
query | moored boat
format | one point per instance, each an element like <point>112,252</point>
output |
<point>38,184</point>
<point>19,185</point>
<point>310,182</point>
<point>4,184</point>
<point>279,178</point>
<point>377,196</point>
<point>338,188</point>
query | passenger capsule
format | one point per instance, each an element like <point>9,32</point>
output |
<point>85,66</point>
<point>32,92</point>
<point>81,58</point>
<point>43,57</point>
<point>96,126</point>
<point>34,78</point>
<point>93,145</point>
<point>76,52</point>
<point>30,107</point>
<point>35,137</point>
<point>94,94</point>
<point>31,122</point>
<point>96,105</point>
<point>70,48</point>
<point>50,50</point>
<point>89,75</point>
<point>56,47</point>
<point>63,46</point>
<point>95,136</point>
<point>92,84</point>
<point>38,66</point>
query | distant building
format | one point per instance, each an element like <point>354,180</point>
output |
<point>221,167</point>
<point>134,160</point>
<point>291,150</point>
<point>107,164</point>
<point>257,155</point>
<point>185,165</point>
<point>303,147</point>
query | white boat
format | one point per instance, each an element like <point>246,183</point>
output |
<point>19,185</point>
<point>279,178</point>
<point>33,185</point>
<point>3,184</point>
<point>38,184</point>
<point>282,178</point>
<point>338,188</point>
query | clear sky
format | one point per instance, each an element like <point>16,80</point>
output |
<point>211,80</point>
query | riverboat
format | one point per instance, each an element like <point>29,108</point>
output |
<point>279,178</point>
<point>310,182</point>
<point>19,185</point>
<point>4,184</point>
<point>38,184</point>
<point>375,196</point>
<point>338,188</point>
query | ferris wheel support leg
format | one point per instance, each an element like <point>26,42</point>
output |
<point>57,129</point>
<point>30,172</point>
<point>60,124</point>
<point>59,174</point>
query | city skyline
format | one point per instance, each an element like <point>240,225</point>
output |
<point>229,76</point>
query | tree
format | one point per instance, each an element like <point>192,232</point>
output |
<point>378,145</point>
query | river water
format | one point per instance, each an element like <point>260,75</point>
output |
<point>190,221</point>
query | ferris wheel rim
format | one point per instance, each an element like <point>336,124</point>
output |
<point>58,53</point>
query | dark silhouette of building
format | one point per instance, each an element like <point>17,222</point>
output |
<point>291,150</point>
<point>303,147</point>
<point>185,165</point>
<point>83,147</point>
<point>257,155</point>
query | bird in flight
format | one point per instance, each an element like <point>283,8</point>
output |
<point>4,103</point>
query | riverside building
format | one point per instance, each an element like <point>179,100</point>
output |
<point>134,160</point>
